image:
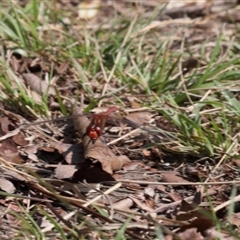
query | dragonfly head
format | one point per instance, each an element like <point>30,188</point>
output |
<point>94,132</point>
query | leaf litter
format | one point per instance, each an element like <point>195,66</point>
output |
<point>51,168</point>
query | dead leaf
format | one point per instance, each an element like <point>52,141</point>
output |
<point>10,134</point>
<point>132,165</point>
<point>13,175</point>
<point>12,157</point>
<point>36,84</point>
<point>72,153</point>
<point>174,196</point>
<point>237,162</point>
<point>133,102</point>
<point>149,192</point>
<point>34,95</point>
<point>190,234</point>
<point>142,205</point>
<point>140,118</point>
<point>171,177</point>
<point>7,186</point>
<point>31,153</point>
<point>63,67</point>
<point>4,121</point>
<point>124,204</point>
<point>65,171</point>
<point>161,188</point>
<point>19,139</point>
<point>98,151</point>
<point>8,147</point>
<point>234,219</point>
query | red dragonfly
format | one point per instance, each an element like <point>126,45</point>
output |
<point>97,124</point>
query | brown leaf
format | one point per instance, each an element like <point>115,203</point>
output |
<point>123,204</point>
<point>190,234</point>
<point>140,118</point>
<point>72,153</point>
<point>7,186</point>
<point>34,95</point>
<point>234,219</point>
<point>12,157</point>
<point>132,165</point>
<point>237,162</point>
<point>63,67</point>
<point>161,188</point>
<point>19,139</point>
<point>65,171</point>
<point>171,177</point>
<point>13,175</point>
<point>10,134</point>
<point>4,121</point>
<point>97,151</point>
<point>174,196</point>
<point>8,147</point>
<point>31,152</point>
<point>142,205</point>
<point>36,84</point>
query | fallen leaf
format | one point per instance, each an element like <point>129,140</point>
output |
<point>124,204</point>
<point>174,196</point>
<point>132,165</point>
<point>171,177</point>
<point>12,157</point>
<point>65,171</point>
<point>161,188</point>
<point>149,192</point>
<point>10,134</point>
<point>140,118</point>
<point>143,205</point>
<point>72,153</point>
<point>36,84</point>
<point>63,67</point>
<point>31,153</point>
<point>237,162</point>
<point>7,186</point>
<point>4,121</point>
<point>13,175</point>
<point>190,234</point>
<point>19,139</point>
<point>8,147</point>
<point>234,219</point>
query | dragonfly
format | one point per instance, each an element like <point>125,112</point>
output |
<point>98,121</point>
<point>97,124</point>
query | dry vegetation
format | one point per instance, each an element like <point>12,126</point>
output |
<point>167,165</point>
